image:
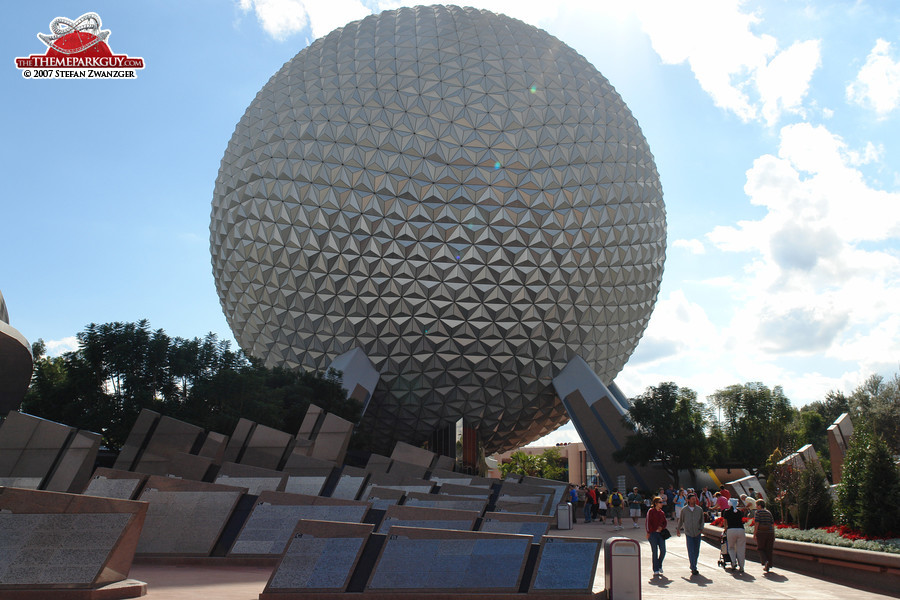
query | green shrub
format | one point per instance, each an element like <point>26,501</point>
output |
<point>870,481</point>
<point>819,536</point>
<point>814,504</point>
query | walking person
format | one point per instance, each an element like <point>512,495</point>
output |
<point>634,506</point>
<point>680,501</point>
<point>670,500</point>
<point>590,499</point>
<point>573,498</point>
<point>690,520</point>
<point>616,500</point>
<point>602,497</point>
<point>737,539</point>
<point>721,503</point>
<point>655,524</point>
<point>764,532</point>
<point>707,503</point>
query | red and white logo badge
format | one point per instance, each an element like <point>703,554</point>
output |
<point>78,50</point>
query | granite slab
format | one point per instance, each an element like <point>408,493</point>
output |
<point>431,518</point>
<point>320,557</point>
<point>275,515</point>
<point>185,518</point>
<point>506,522</point>
<point>422,560</point>
<point>566,565</point>
<point>58,540</point>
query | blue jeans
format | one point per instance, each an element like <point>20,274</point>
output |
<point>658,546</point>
<point>693,550</point>
<point>587,512</point>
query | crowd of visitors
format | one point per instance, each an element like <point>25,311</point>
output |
<point>689,510</point>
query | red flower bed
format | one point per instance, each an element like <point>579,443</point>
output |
<point>851,534</point>
<point>841,530</point>
<point>720,521</point>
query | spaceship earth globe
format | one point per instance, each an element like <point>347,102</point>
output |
<point>455,192</point>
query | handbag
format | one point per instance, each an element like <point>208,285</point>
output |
<point>665,533</point>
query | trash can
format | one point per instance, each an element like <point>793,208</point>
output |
<point>564,515</point>
<point>622,566</point>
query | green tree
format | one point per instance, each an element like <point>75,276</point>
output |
<point>669,427</point>
<point>869,481</point>
<point>120,368</point>
<point>834,405</point>
<point>553,466</point>
<point>814,504</point>
<point>877,403</point>
<point>774,485</point>
<point>812,428</point>
<point>521,463</point>
<point>755,420</point>
<point>547,465</point>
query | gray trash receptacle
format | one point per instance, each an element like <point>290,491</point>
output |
<point>564,515</point>
<point>622,566</point>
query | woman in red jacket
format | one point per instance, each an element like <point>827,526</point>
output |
<point>656,522</point>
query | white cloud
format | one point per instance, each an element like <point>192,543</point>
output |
<point>714,38</point>
<point>824,275</point>
<point>877,85</point>
<point>692,246</point>
<point>58,347</point>
<point>784,82</point>
<point>676,325</point>
<point>564,434</point>
<point>282,18</point>
<point>870,154</point>
<point>741,70</point>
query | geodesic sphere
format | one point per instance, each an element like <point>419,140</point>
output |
<point>457,193</point>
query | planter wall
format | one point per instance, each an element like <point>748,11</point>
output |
<point>878,571</point>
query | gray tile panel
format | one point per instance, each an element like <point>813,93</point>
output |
<point>534,528</point>
<point>184,522</point>
<point>122,489</point>
<point>269,526</point>
<point>136,437</point>
<point>491,563</point>
<point>567,564</point>
<point>347,487</point>
<point>317,563</point>
<point>254,485</point>
<point>309,485</point>
<point>44,549</point>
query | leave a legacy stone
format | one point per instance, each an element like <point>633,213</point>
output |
<point>425,559</point>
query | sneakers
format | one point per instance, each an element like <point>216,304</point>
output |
<point>655,573</point>
<point>695,572</point>
<point>660,571</point>
<point>635,525</point>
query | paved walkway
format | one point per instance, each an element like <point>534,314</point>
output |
<point>245,583</point>
<point>714,581</point>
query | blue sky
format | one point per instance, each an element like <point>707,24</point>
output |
<point>774,125</point>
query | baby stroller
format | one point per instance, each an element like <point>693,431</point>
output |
<point>724,557</point>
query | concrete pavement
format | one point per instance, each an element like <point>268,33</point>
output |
<point>245,583</point>
<point>714,581</point>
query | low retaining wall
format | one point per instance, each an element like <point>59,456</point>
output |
<point>878,571</point>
